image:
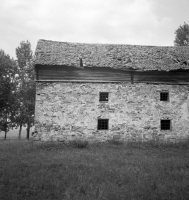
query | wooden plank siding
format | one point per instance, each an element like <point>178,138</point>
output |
<point>107,74</point>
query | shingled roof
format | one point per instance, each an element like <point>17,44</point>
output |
<point>116,56</point>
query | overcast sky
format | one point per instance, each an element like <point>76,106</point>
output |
<point>140,22</point>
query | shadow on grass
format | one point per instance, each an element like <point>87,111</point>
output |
<point>184,144</point>
<point>80,144</point>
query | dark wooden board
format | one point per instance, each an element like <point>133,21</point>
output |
<point>110,74</point>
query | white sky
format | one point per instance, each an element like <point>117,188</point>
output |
<point>140,22</point>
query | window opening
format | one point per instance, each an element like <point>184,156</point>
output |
<point>103,96</point>
<point>103,124</point>
<point>164,96</point>
<point>165,124</point>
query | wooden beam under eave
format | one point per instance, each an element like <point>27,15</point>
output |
<point>82,81</point>
<point>101,81</point>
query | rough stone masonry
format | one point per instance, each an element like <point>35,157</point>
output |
<point>66,111</point>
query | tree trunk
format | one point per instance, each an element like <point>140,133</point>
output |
<point>20,130</point>
<point>28,131</point>
<point>6,127</point>
<point>5,135</point>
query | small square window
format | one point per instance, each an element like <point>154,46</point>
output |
<point>103,96</point>
<point>164,96</point>
<point>103,124</point>
<point>165,124</point>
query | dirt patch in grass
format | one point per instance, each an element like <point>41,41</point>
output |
<point>101,171</point>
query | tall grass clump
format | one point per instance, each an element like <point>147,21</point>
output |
<point>78,143</point>
<point>115,142</point>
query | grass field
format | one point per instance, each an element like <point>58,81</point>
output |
<point>100,171</point>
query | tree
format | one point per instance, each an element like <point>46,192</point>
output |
<point>182,35</point>
<point>5,106</point>
<point>26,92</point>
<point>7,90</point>
<point>25,62</point>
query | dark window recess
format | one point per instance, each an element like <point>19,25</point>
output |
<point>103,96</point>
<point>165,124</point>
<point>102,124</point>
<point>164,96</point>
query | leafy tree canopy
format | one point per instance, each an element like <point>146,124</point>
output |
<point>182,35</point>
<point>7,89</point>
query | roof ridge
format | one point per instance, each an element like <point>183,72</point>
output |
<point>116,44</point>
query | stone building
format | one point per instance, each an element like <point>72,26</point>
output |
<point>105,91</point>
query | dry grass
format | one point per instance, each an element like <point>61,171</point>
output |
<point>101,171</point>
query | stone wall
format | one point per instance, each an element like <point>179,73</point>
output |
<point>67,111</point>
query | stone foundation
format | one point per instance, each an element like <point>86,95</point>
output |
<point>66,111</point>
